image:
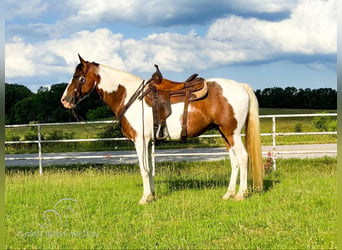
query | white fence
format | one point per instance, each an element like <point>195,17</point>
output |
<point>274,134</point>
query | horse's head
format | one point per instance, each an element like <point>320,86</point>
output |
<point>82,83</point>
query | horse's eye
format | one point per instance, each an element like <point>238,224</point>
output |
<point>81,79</point>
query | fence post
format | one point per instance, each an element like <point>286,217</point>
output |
<point>40,151</point>
<point>274,143</point>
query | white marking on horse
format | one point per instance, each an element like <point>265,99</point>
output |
<point>234,93</point>
<point>112,78</point>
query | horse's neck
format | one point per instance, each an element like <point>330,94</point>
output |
<point>112,78</point>
<point>116,86</point>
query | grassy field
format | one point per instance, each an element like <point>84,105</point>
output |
<point>92,131</point>
<point>297,210</point>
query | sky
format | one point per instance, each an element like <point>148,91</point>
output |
<point>264,43</point>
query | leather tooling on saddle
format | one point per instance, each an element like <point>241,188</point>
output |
<point>161,93</point>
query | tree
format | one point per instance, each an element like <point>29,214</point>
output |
<point>23,111</point>
<point>13,94</point>
<point>290,97</point>
<point>45,105</point>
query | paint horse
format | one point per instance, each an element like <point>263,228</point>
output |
<point>228,105</point>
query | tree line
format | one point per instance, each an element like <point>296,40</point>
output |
<point>291,97</point>
<point>22,106</point>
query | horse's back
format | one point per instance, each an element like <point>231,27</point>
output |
<point>230,87</point>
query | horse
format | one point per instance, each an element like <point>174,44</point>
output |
<point>229,106</point>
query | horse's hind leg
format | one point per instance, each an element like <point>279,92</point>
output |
<point>242,158</point>
<point>235,169</point>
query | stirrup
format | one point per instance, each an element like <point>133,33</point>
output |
<point>159,130</point>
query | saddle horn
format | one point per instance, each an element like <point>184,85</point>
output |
<point>157,76</point>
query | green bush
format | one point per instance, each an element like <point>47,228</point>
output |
<point>298,127</point>
<point>99,113</point>
<point>333,125</point>
<point>67,135</point>
<point>324,123</point>
<point>10,136</point>
<point>58,134</point>
<point>55,135</point>
<point>111,131</point>
<point>31,136</point>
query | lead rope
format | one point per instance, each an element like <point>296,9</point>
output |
<point>146,168</point>
<point>84,123</point>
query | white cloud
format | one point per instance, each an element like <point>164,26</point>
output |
<point>18,59</point>
<point>60,55</point>
<point>311,29</point>
<point>269,6</point>
<point>173,52</point>
<point>140,11</point>
<point>166,12</point>
<point>56,19</point>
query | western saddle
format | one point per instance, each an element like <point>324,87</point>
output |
<point>161,93</point>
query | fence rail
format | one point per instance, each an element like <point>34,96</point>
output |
<point>274,134</point>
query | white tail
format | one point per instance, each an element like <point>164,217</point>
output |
<point>253,143</point>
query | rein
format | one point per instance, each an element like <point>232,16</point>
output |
<point>134,97</point>
<point>80,120</point>
<point>131,100</point>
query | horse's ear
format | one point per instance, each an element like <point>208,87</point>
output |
<point>82,60</point>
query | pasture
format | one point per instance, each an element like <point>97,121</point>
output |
<point>297,210</point>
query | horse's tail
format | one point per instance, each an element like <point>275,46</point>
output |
<point>252,138</point>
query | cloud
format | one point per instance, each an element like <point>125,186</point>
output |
<point>60,55</point>
<point>143,13</point>
<point>50,19</point>
<point>311,29</point>
<point>170,12</point>
<point>307,36</point>
<point>174,52</point>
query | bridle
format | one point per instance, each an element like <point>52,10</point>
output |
<point>82,79</point>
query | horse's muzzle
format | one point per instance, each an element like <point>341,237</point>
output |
<point>67,102</point>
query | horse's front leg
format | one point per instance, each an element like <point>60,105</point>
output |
<point>143,148</point>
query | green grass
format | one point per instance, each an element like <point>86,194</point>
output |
<point>296,211</point>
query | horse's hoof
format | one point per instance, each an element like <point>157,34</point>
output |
<point>147,199</point>
<point>228,195</point>
<point>241,196</point>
